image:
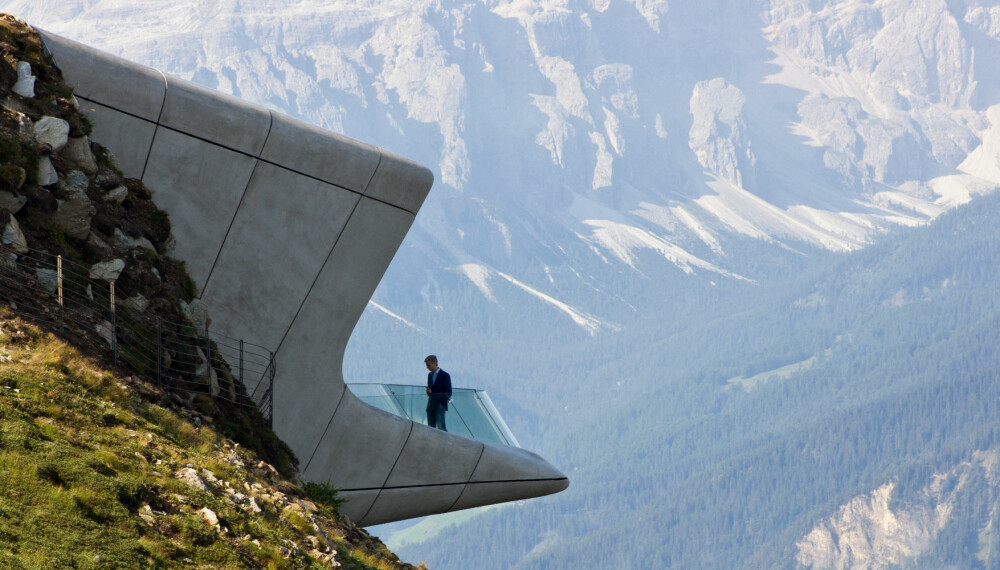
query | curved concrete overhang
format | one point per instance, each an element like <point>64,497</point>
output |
<point>287,230</point>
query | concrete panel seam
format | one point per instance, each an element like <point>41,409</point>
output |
<point>326,429</point>
<point>243,196</point>
<point>468,484</point>
<point>116,109</point>
<point>401,448</point>
<point>370,507</point>
<point>312,285</point>
<point>374,172</point>
<point>256,157</point>
<point>472,473</point>
<point>149,151</point>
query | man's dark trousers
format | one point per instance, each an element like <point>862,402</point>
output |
<point>437,400</point>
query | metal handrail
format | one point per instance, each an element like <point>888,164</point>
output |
<point>140,341</point>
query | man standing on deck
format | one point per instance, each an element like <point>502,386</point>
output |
<point>438,393</point>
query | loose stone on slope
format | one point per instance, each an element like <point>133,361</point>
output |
<point>25,86</point>
<point>53,132</point>
<point>47,175</point>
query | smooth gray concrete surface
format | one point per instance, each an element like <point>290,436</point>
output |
<point>106,79</point>
<point>277,273</point>
<point>287,230</point>
<point>350,435</point>
<point>392,179</point>
<point>491,493</point>
<point>321,154</point>
<point>133,136</point>
<point>318,336</point>
<point>357,503</point>
<point>210,115</point>
<point>417,465</point>
<point>200,184</point>
<point>501,463</point>
<point>406,503</point>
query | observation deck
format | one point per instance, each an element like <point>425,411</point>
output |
<point>471,412</point>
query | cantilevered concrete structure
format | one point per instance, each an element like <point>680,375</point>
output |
<point>287,230</point>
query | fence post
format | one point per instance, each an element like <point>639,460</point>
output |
<point>243,388</point>
<point>114,328</point>
<point>159,352</point>
<point>270,390</point>
<point>59,278</point>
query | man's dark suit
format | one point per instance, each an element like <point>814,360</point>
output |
<point>437,400</point>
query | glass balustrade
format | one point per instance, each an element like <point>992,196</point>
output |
<point>470,412</point>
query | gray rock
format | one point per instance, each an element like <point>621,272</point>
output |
<point>52,131</point>
<point>8,258</point>
<point>75,182</point>
<point>122,240</point>
<point>209,516</point>
<point>78,153</point>
<point>197,312</point>
<point>75,211</point>
<point>99,244</point>
<point>12,202</point>
<point>116,195</point>
<point>107,270</point>
<point>103,329</point>
<point>190,476</point>
<point>136,303</point>
<point>25,85</point>
<point>47,175</point>
<point>12,237</point>
<point>48,279</point>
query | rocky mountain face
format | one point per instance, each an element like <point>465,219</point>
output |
<point>619,127</point>
<point>871,531</point>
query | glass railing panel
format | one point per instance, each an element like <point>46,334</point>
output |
<point>470,412</point>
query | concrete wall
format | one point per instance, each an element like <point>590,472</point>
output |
<point>287,230</point>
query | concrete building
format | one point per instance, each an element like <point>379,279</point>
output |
<point>287,230</point>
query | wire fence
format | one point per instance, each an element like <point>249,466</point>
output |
<point>175,355</point>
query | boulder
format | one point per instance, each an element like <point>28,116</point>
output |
<point>107,270</point>
<point>99,245</point>
<point>77,152</point>
<point>103,330</point>
<point>53,132</point>
<point>11,235</point>
<point>25,85</point>
<point>122,240</point>
<point>136,303</point>
<point>47,175</point>
<point>197,313</point>
<point>75,211</point>
<point>116,195</point>
<point>74,183</point>
<point>190,476</point>
<point>48,279</point>
<point>12,202</point>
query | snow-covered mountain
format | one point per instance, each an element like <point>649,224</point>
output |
<point>591,133</point>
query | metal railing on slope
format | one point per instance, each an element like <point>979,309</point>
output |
<point>60,293</point>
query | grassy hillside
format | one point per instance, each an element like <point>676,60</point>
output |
<point>92,474</point>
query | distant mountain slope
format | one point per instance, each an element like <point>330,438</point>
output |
<point>695,470</point>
